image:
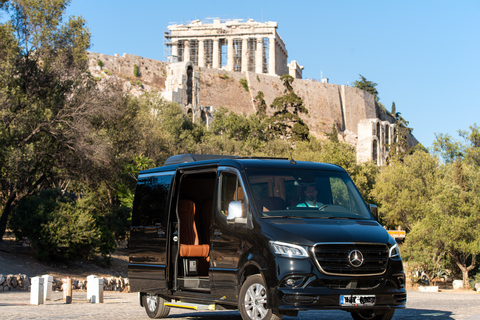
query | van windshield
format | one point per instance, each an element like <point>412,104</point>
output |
<point>306,194</point>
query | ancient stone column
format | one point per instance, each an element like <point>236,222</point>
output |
<point>259,56</point>
<point>201,53</point>
<point>175,50</point>
<point>230,54</point>
<point>244,54</point>
<point>271,56</point>
<point>186,51</point>
<point>216,54</point>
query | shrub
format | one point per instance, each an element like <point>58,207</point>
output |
<point>258,79</point>
<point>56,227</point>
<point>244,83</point>
<point>135,71</point>
<point>99,63</point>
<point>108,72</point>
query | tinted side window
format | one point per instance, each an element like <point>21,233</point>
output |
<point>149,207</point>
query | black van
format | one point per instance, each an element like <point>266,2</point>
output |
<point>269,237</point>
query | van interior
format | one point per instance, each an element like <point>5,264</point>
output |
<point>194,209</point>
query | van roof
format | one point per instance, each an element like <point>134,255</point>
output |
<point>189,160</point>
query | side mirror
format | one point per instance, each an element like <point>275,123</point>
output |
<point>374,211</point>
<point>235,213</point>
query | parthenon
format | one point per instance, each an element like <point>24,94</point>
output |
<point>231,45</point>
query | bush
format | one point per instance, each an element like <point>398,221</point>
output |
<point>135,71</point>
<point>56,227</point>
<point>244,83</point>
<point>100,63</point>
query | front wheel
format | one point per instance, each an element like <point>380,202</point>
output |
<point>252,302</point>
<point>154,306</point>
<point>386,314</point>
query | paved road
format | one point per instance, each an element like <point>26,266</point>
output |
<point>420,305</point>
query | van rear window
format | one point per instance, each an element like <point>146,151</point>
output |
<point>149,207</point>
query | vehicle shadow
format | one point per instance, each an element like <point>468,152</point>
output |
<point>317,315</point>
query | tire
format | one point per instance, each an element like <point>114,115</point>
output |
<point>252,302</point>
<point>154,306</point>
<point>386,314</point>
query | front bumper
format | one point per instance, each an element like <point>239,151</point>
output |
<point>311,289</point>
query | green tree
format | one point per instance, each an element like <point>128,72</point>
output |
<point>261,105</point>
<point>405,189</point>
<point>366,85</point>
<point>286,121</point>
<point>452,221</point>
<point>452,150</point>
<point>53,117</point>
<point>333,135</point>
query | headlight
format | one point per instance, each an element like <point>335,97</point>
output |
<point>394,252</point>
<point>288,250</point>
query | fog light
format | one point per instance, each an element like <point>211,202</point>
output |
<point>294,281</point>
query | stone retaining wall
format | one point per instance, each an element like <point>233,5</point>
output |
<point>22,282</point>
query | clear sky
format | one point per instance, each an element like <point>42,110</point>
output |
<point>424,55</point>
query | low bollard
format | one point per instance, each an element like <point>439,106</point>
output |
<point>97,290</point>
<point>47,287</point>
<point>67,290</point>
<point>36,293</point>
<point>90,286</point>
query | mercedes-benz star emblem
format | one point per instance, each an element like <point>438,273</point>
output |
<point>355,258</point>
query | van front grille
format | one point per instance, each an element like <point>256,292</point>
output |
<point>357,259</point>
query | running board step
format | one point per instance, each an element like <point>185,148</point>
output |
<point>192,306</point>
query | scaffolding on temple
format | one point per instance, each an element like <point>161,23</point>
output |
<point>189,49</point>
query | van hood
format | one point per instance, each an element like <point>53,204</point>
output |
<point>311,231</point>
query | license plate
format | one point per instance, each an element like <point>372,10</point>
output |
<point>355,300</point>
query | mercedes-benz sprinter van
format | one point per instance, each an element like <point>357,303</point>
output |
<point>269,237</point>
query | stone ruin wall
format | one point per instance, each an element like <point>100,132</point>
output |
<point>326,103</point>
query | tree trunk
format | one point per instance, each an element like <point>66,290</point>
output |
<point>5,214</point>
<point>461,263</point>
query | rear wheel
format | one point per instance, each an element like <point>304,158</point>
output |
<point>252,302</point>
<point>154,306</point>
<point>386,314</point>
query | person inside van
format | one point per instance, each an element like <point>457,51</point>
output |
<point>310,198</point>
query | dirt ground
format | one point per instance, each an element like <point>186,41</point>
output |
<point>16,258</point>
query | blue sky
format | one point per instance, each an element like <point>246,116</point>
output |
<point>424,55</point>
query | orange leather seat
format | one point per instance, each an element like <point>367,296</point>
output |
<point>189,242</point>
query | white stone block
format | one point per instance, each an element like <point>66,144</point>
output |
<point>428,289</point>
<point>47,287</point>
<point>36,293</point>
<point>457,284</point>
